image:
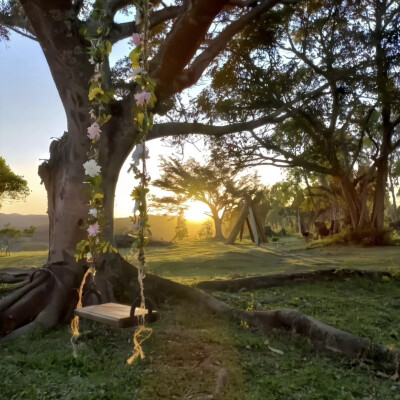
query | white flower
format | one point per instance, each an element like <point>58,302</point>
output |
<point>138,153</point>
<point>92,61</point>
<point>97,76</point>
<point>136,72</point>
<point>91,168</point>
<point>93,212</point>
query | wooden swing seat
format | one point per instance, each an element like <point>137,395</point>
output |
<point>113,314</point>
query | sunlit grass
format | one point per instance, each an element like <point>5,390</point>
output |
<point>24,258</point>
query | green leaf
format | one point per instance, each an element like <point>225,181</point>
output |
<point>139,119</point>
<point>94,92</point>
<point>135,56</point>
<point>153,100</point>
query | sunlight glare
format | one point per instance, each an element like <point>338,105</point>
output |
<point>196,211</point>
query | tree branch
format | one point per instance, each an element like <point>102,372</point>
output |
<point>114,5</point>
<point>16,22</point>
<point>77,6</point>
<point>191,75</point>
<point>187,128</point>
<point>22,33</point>
<point>125,30</point>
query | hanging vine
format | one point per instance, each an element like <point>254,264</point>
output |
<point>91,248</point>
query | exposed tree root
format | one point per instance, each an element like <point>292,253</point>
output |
<point>266,281</point>
<point>41,303</point>
<point>51,297</point>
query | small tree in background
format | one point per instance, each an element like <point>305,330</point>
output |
<point>28,232</point>
<point>173,206</point>
<point>181,230</point>
<point>12,186</point>
<point>206,231</point>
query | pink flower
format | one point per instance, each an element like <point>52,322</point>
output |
<point>94,131</point>
<point>93,229</point>
<point>142,98</point>
<point>136,39</point>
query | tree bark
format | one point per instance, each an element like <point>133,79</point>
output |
<point>218,228</point>
<point>352,200</point>
<point>393,193</point>
<point>378,211</point>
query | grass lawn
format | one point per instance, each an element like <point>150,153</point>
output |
<point>197,355</point>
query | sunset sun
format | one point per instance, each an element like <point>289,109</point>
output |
<point>196,211</point>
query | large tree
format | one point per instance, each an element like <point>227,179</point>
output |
<point>336,87</point>
<point>186,37</point>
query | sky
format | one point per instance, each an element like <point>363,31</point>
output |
<point>31,114</point>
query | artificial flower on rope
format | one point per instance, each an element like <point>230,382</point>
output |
<point>143,119</point>
<point>95,244</point>
<point>91,248</point>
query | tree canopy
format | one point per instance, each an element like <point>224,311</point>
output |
<point>12,186</point>
<point>215,184</point>
<point>330,79</point>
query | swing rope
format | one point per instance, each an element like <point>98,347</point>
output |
<point>92,248</point>
<point>142,332</point>
<point>75,321</point>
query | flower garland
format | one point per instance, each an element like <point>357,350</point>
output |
<point>91,248</point>
<point>145,100</point>
<point>95,244</point>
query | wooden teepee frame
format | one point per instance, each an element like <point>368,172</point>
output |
<point>249,216</point>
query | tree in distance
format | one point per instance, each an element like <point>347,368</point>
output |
<point>216,184</point>
<point>12,186</point>
<point>28,232</point>
<point>173,206</point>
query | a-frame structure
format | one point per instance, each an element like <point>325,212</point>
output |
<point>249,216</point>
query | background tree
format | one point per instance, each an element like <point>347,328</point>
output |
<point>12,186</point>
<point>338,117</point>
<point>215,184</point>
<point>28,232</point>
<point>173,206</point>
<point>206,231</point>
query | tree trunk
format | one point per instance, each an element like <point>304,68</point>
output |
<point>393,193</point>
<point>218,228</point>
<point>378,211</point>
<point>352,200</point>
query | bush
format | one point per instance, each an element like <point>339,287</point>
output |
<point>367,237</point>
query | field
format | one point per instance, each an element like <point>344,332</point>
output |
<point>196,355</point>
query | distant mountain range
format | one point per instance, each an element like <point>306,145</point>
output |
<point>162,227</point>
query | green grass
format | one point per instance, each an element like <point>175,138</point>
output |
<point>24,258</point>
<point>189,348</point>
<point>193,261</point>
<point>364,307</point>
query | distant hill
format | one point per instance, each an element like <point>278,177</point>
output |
<point>162,227</point>
<point>23,221</point>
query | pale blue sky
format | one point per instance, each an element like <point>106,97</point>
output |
<point>31,114</point>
